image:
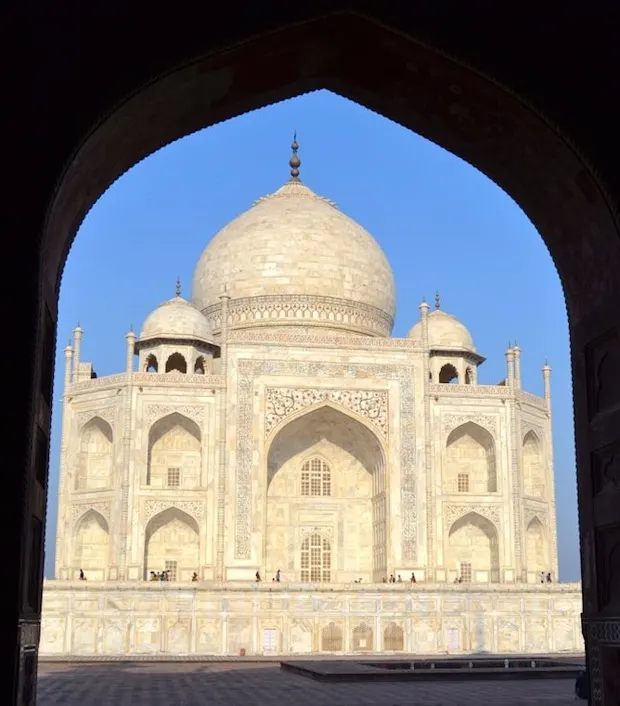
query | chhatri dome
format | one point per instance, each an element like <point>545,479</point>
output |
<point>444,331</point>
<point>176,319</point>
<point>294,259</point>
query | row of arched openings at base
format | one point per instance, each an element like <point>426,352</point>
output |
<point>175,363</point>
<point>362,638</point>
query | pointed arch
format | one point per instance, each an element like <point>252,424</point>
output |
<point>174,452</point>
<point>470,462</point>
<point>150,364</point>
<point>176,363</point>
<point>172,543</point>
<point>91,544</point>
<point>349,462</point>
<point>533,466</point>
<point>469,375</point>
<point>362,638</point>
<point>95,456</point>
<point>472,551</point>
<point>536,554</point>
<point>199,365</point>
<point>448,374</point>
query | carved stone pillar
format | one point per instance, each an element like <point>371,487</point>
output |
<point>223,455</point>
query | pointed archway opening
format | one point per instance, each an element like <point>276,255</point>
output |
<point>326,486</point>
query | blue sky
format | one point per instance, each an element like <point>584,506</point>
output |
<point>442,224</point>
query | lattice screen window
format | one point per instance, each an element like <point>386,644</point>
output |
<point>174,477</point>
<point>463,482</point>
<point>171,568</point>
<point>316,477</point>
<point>316,559</point>
<point>466,572</point>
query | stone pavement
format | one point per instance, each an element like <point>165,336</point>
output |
<point>264,684</point>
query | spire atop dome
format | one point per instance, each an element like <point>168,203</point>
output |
<point>437,300</point>
<point>294,161</point>
<point>178,289</point>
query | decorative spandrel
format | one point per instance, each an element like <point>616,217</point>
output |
<point>283,402</point>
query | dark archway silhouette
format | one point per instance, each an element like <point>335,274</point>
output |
<point>540,128</point>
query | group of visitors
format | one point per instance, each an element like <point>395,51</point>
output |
<point>396,579</point>
<point>545,577</point>
<point>276,578</point>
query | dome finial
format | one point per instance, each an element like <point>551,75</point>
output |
<point>294,161</point>
<point>437,300</point>
<point>178,291</point>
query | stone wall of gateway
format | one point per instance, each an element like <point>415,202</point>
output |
<point>91,618</point>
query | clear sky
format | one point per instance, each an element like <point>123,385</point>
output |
<point>442,224</point>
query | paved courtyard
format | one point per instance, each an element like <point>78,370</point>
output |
<point>258,684</point>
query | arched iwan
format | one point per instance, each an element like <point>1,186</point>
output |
<point>327,452</point>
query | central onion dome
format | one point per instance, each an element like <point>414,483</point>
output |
<point>294,259</point>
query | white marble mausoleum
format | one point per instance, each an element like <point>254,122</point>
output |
<point>273,423</point>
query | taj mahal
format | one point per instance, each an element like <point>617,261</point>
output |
<point>269,425</point>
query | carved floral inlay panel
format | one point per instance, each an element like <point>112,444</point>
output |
<point>194,508</point>
<point>452,513</point>
<point>108,414</point>
<point>153,412</point>
<point>79,510</point>
<point>250,370</point>
<point>282,402</point>
<point>453,421</point>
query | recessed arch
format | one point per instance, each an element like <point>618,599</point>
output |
<point>532,460</point>
<point>472,550</point>
<point>318,406</point>
<point>91,544</point>
<point>199,365</point>
<point>358,499</point>
<point>94,463</point>
<point>176,363</point>
<point>536,549</point>
<point>174,452</point>
<point>470,461</point>
<point>172,543</point>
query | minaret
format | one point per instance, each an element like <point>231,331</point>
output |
<point>131,342</point>
<point>68,366</point>
<point>223,451</point>
<point>428,449</point>
<point>510,365</point>
<point>77,338</point>
<point>517,354</point>
<point>546,371</point>
<point>62,522</point>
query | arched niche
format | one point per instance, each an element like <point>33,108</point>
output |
<point>533,466</point>
<point>150,364</point>
<point>353,456</point>
<point>536,555</point>
<point>470,463</point>
<point>200,366</point>
<point>472,549</point>
<point>92,545</point>
<point>176,363</point>
<point>172,543</point>
<point>448,374</point>
<point>96,455</point>
<point>362,638</point>
<point>174,453</point>
<point>469,375</point>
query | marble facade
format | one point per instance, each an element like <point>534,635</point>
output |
<point>274,424</point>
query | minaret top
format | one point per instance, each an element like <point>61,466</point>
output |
<point>294,161</point>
